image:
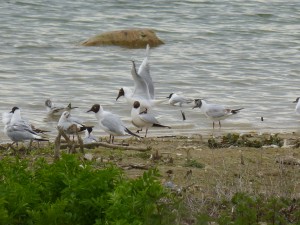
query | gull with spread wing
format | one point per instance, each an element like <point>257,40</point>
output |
<point>143,85</point>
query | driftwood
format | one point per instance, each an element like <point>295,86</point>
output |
<point>70,144</point>
<point>135,166</point>
<point>106,145</point>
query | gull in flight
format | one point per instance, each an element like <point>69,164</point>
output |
<point>143,119</point>
<point>215,112</point>
<point>18,129</point>
<point>143,85</point>
<point>57,109</point>
<point>110,123</point>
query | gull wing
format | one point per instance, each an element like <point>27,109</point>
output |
<point>144,72</point>
<point>148,118</point>
<point>113,124</point>
<point>140,86</point>
<point>216,111</point>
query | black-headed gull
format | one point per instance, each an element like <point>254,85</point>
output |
<point>70,124</point>
<point>178,99</point>
<point>6,118</point>
<point>297,108</point>
<point>57,109</point>
<point>143,119</point>
<point>110,123</point>
<point>215,112</point>
<point>89,137</point>
<point>19,130</point>
<point>143,85</point>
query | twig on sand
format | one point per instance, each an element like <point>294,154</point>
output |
<point>106,145</point>
<point>135,166</point>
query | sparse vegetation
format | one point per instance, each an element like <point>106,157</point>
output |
<point>239,185</point>
<point>237,140</point>
<point>193,163</point>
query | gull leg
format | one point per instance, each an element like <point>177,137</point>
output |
<point>112,139</point>
<point>29,147</point>
<point>219,124</point>
<point>11,146</point>
<point>146,132</point>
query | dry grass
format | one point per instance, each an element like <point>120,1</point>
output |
<point>216,173</point>
<point>202,175</point>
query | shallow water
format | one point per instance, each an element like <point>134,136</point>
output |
<point>235,53</point>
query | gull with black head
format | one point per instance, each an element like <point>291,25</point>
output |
<point>143,85</point>
<point>57,109</point>
<point>18,129</point>
<point>110,123</point>
<point>297,108</point>
<point>215,112</point>
<point>143,119</point>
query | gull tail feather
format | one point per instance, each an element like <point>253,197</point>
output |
<point>131,133</point>
<point>235,111</point>
<point>159,125</point>
<point>39,138</point>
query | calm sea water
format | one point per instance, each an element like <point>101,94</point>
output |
<point>236,53</point>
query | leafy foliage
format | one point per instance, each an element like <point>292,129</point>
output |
<point>70,191</point>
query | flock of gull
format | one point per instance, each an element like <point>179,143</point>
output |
<point>141,99</point>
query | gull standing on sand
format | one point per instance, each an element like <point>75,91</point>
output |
<point>297,108</point>
<point>214,112</point>
<point>6,118</point>
<point>143,85</point>
<point>143,119</point>
<point>57,109</point>
<point>17,129</point>
<point>110,123</point>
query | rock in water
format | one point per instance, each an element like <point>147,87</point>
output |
<point>132,38</point>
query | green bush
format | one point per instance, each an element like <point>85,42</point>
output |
<point>70,191</point>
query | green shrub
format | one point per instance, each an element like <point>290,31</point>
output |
<point>70,191</point>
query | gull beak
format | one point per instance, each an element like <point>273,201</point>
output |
<point>119,95</point>
<point>90,110</point>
